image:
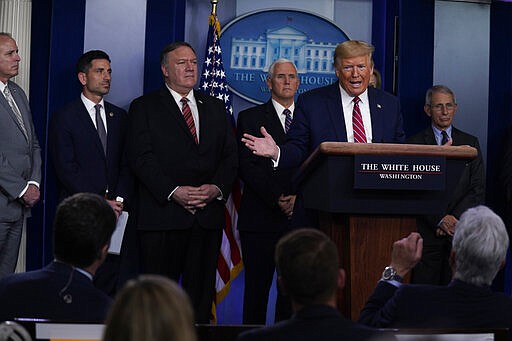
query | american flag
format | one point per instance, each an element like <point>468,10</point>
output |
<point>213,82</point>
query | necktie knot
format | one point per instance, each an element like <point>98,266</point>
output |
<point>287,120</point>
<point>184,100</point>
<point>356,100</point>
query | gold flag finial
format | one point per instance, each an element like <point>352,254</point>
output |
<point>214,6</point>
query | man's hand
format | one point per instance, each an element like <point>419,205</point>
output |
<point>31,196</point>
<point>117,206</point>
<point>194,198</point>
<point>406,253</point>
<point>447,225</point>
<point>262,146</point>
<point>286,203</point>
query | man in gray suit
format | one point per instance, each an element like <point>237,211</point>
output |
<point>20,157</point>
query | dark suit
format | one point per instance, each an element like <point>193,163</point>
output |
<point>20,162</point>
<point>319,118</point>
<point>42,294</point>
<point>77,154</point>
<point>320,323</point>
<point>164,155</point>
<point>82,166</point>
<point>470,191</point>
<point>260,221</point>
<point>457,305</point>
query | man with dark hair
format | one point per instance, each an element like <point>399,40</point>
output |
<point>63,290</point>
<point>479,250</point>
<point>87,146</point>
<point>308,269</point>
<point>182,151</point>
<point>20,157</point>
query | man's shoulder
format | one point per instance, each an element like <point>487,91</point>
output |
<point>207,99</point>
<point>465,137</point>
<point>321,91</point>
<point>254,110</point>
<point>419,137</point>
<point>110,107</point>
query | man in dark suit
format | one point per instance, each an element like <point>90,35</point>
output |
<point>63,290</point>
<point>268,196</point>
<point>183,152</point>
<point>478,252</point>
<point>87,146</point>
<point>330,113</point>
<point>437,230</point>
<point>20,157</point>
<point>308,271</point>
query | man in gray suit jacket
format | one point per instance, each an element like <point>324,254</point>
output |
<point>20,157</point>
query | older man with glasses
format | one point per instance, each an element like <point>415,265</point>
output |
<point>437,230</point>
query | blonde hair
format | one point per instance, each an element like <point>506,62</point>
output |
<point>152,308</point>
<point>353,48</point>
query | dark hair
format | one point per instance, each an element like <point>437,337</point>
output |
<point>307,262</point>
<point>83,225</point>
<point>172,47</point>
<point>85,61</point>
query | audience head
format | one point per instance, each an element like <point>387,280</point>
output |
<point>152,308</point>
<point>82,228</point>
<point>307,266</point>
<point>353,65</point>
<point>440,106</point>
<point>9,57</point>
<point>178,62</point>
<point>94,73</point>
<point>283,81</point>
<point>376,79</point>
<point>479,246</point>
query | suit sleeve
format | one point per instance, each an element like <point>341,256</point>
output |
<point>379,310</point>
<point>256,171</point>
<point>62,152</point>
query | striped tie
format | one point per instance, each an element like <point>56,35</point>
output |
<point>357,122</point>
<point>288,120</point>
<point>16,111</point>
<point>187,114</point>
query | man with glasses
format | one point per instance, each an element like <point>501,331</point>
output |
<point>437,230</point>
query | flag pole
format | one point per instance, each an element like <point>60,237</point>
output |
<point>214,6</point>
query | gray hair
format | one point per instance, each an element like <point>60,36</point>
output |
<point>278,61</point>
<point>439,89</point>
<point>480,244</point>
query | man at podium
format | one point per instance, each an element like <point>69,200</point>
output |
<point>437,230</point>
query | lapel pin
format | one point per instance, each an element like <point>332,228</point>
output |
<point>379,106</point>
<point>111,114</point>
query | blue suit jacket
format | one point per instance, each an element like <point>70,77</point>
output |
<point>77,154</point>
<point>457,305</point>
<point>320,323</point>
<point>40,294</point>
<point>318,118</point>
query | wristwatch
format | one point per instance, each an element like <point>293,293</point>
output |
<point>389,274</point>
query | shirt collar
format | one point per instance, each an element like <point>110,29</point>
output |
<point>346,98</point>
<point>177,97</point>
<point>279,108</point>
<point>89,105</point>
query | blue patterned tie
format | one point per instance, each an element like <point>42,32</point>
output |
<point>288,120</point>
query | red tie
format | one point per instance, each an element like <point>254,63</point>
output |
<point>357,122</point>
<point>187,114</point>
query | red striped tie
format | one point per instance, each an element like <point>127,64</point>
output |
<point>357,122</point>
<point>187,114</point>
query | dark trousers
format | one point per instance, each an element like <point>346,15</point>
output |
<point>189,254</point>
<point>258,252</point>
<point>434,267</point>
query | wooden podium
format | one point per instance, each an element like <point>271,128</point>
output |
<point>364,223</point>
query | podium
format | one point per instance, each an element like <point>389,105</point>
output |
<point>364,222</point>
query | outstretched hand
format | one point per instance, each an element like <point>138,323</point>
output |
<point>262,146</point>
<point>406,253</point>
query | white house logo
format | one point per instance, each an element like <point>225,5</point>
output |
<point>253,41</point>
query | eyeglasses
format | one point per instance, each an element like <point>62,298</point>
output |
<point>447,106</point>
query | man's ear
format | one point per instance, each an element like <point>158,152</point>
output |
<point>82,78</point>
<point>341,278</point>
<point>103,253</point>
<point>427,109</point>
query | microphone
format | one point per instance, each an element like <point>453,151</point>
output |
<point>67,298</point>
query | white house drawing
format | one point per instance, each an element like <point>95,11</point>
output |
<point>286,42</point>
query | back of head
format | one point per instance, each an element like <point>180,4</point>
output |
<point>353,48</point>
<point>84,63</point>
<point>307,264</point>
<point>83,225</point>
<point>480,245</point>
<point>152,308</point>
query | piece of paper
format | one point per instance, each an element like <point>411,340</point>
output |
<point>69,331</point>
<point>117,237</point>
